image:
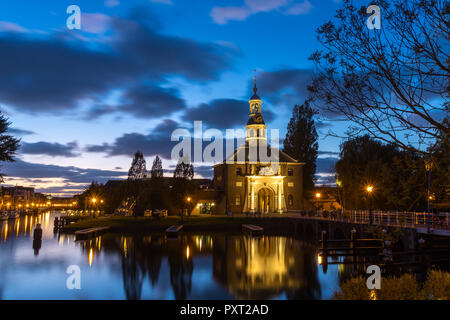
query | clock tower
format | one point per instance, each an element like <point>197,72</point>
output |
<point>255,128</point>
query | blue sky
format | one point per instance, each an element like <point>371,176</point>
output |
<point>84,100</point>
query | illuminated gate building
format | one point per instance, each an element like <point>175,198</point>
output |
<point>258,178</point>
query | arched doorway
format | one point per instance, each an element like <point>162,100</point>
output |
<point>265,200</point>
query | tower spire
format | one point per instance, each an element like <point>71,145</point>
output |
<point>254,82</point>
<point>255,95</point>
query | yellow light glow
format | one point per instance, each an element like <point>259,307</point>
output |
<point>318,195</point>
<point>319,259</point>
<point>369,189</point>
<point>91,257</point>
<point>188,199</point>
<point>187,252</point>
<point>94,200</point>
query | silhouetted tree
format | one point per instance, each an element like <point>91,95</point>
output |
<point>182,186</point>
<point>184,169</point>
<point>157,170</point>
<point>391,83</point>
<point>301,141</point>
<point>138,170</point>
<point>8,144</point>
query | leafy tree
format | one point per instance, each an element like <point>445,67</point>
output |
<point>391,83</point>
<point>8,144</point>
<point>157,170</point>
<point>361,163</point>
<point>138,170</point>
<point>399,177</point>
<point>301,141</point>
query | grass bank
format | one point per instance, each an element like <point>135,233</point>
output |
<point>139,224</point>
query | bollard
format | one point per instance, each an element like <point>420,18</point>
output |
<point>37,235</point>
<point>353,246</point>
<point>423,259</point>
<point>324,241</point>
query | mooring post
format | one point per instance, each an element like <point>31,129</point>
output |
<point>324,241</point>
<point>423,259</point>
<point>353,246</point>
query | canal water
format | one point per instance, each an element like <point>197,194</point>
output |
<point>195,266</point>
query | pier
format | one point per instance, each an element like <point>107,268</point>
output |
<point>90,233</point>
<point>252,229</point>
<point>172,231</point>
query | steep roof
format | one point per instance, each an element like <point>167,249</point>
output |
<point>242,153</point>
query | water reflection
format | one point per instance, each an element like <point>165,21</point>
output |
<point>206,266</point>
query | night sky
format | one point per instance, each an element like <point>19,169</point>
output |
<point>83,101</point>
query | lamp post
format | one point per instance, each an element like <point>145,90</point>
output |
<point>318,195</point>
<point>428,168</point>
<point>369,190</point>
<point>94,201</point>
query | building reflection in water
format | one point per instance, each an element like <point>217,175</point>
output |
<point>265,267</point>
<point>246,267</point>
<point>23,226</point>
<point>249,268</point>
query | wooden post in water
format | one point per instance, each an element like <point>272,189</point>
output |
<point>324,241</point>
<point>353,246</point>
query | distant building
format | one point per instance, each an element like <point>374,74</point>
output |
<point>17,194</point>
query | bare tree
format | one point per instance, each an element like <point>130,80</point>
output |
<point>392,82</point>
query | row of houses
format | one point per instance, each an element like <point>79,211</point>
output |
<point>18,196</point>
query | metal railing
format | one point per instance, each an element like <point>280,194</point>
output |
<point>385,218</point>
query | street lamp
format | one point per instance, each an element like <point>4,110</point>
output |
<point>94,200</point>
<point>428,165</point>
<point>318,195</point>
<point>369,190</point>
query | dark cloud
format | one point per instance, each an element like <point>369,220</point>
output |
<point>54,74</point>
<point>163,54</point>
<point>152,101</point>
<point>23,169</point>
<point>20,132</point>
<point>142,101</point>
<point>156,143</point>
<point>50,149</point>
<point>287,85</point>
<point>223,113</point>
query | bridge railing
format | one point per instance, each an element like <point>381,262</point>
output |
<point>397,218</point>
<point>387,218</point>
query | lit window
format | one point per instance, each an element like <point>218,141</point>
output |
<point>238,184</point>
<point>290,184</point>
<point>238,200</point>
